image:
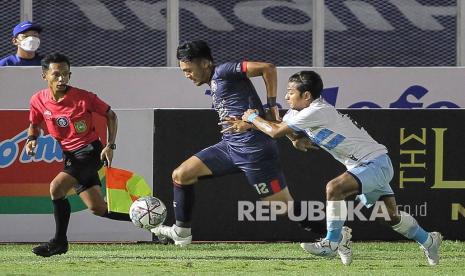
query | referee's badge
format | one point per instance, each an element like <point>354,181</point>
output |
<point>80,126</point>
<point>62,122</point>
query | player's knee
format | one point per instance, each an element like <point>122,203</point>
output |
<point>177,175</point>
<point>181,176</point>
<point>56,190</point>
<point>334,190</point>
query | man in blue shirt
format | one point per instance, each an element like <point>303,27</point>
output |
<point>26,37</point>
<point>242,149</point>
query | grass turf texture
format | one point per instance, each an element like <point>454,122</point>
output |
<point>232,258</point>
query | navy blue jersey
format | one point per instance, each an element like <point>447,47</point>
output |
<point>14,60</point>
<point>233,93</point>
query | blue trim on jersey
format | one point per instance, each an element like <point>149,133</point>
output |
<point>322,135</point>
<point>334,142</point>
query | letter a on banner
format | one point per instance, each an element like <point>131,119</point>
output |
<point>123,187</point>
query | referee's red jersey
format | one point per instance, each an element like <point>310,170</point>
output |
<point>69,121</point>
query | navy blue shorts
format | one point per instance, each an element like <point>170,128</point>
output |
<point>259,162</point>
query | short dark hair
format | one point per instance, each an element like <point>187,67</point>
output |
<point>308,81</point>
<point>191,50</point>
<point>54,58</point>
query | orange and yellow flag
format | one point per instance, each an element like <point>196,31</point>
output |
<point>123,188</point>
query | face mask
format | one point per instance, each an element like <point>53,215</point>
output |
<point>30,44</point>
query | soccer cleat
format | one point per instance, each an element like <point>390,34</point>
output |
<point>344,250</point>
<point>51,248</point>
<point>323,248</point>
<point>163,240</point>
<point>164,231</point>
<point>432,251</point>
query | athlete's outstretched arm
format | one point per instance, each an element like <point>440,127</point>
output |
<point>270,77</point>
<point>272,129</point>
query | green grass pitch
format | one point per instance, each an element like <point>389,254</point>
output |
<point>370,258</point>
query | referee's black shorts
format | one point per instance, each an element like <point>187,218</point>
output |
<point>84,164</point>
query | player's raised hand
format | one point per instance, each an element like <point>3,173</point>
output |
<point>30,147</point>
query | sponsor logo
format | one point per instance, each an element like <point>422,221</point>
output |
<point>213,86</point>
<point>48,150</point>
<point>404,101</point>
<point>422,164</point>
<point>413,163</point>
<point>219,105</point>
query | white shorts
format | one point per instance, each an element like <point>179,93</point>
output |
<point>373,176</point>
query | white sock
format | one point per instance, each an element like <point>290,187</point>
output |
<point>182,231</point>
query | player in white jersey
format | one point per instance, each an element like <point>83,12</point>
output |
<point>334,132</point>
<point>369,168</point>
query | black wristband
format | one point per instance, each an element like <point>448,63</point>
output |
<point>271,101</point>
<point>31,138</point>
<point>111,146</point>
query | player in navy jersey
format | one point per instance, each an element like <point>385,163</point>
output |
<point>241,148</point>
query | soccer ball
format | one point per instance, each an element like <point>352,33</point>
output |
<point>147,212</point>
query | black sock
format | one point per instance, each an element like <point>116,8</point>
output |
<point>183,203</point>
<point>315,226</point>
<point>61,212</point>
<point>117,216</point>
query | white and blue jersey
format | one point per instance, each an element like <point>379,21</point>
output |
<point>335,133</point>
<point>233,93</point>
<point>364,158</point>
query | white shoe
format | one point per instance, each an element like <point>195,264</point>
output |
<point>324,248</point>
<point>344,250</point>
<point>164,231</point>
<point>432,251</point>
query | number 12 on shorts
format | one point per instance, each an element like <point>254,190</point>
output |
<point>261,188</point>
